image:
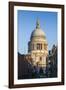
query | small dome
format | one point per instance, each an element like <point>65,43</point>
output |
<point>38,31</point>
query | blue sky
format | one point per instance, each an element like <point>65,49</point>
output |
<point>27,23</point>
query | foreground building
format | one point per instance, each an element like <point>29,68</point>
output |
<point>52,62</point>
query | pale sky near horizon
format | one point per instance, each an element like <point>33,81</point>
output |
<point>27,23</point>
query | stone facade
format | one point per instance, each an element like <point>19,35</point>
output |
<point>38,47</point>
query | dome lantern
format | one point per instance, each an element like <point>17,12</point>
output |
<point>37,24</point>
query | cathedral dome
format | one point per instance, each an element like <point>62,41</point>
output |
<point>38,31</point>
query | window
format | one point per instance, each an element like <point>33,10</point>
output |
<point>40,58</point>
<point>39,46</point>
<point>33,47</point>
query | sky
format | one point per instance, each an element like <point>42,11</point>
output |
<point>27,23</point>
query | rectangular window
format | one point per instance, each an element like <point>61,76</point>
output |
<point>39,46</point>
<point>33,46</point>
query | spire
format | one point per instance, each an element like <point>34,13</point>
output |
<point>38,24</point>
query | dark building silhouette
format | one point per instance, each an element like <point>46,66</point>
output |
<point>52,62</point>
<point>24,67</point>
